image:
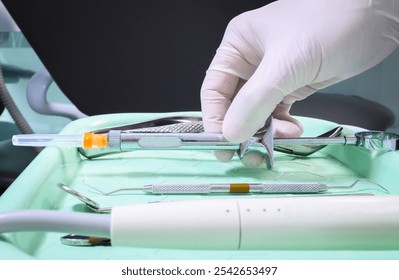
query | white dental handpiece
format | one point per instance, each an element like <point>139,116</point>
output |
<point>333,222</point>
<point>284,223</point>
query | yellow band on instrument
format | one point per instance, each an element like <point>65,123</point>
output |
<point>91,140</point>
<point>239,188</point>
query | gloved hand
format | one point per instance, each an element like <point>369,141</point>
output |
<point>283,52</point>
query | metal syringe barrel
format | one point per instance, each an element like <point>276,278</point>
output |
<point>371,140</point>
<point>127,141</point>
<point>316,141</point>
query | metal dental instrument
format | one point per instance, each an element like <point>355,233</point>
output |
<point>268,188</point>
<point>84,240</point>
<point>87,201</point>
<point>323,222</point>
<point>115,141</point>
<point>308,149</point>
<point>95,206</point>
<point>371,140</point>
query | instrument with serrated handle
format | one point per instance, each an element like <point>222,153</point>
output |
<point>265,188</point>
<point>235,188</point>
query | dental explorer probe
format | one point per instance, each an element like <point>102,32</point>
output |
<point>313,222</point>
<point>240,188</point>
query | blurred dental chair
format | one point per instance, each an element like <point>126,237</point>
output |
<point>124,56</point>
<point>345,109</point>
<point>36,94</point>
<point>339,108</point>
<point>12,159</point>
<point>146,56</point>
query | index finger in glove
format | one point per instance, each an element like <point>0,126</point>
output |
<point>217,92</point>
<point>224,78</point>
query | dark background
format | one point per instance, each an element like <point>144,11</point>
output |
<point>127,55</point>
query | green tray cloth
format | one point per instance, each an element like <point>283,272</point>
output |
<point>36,188</point>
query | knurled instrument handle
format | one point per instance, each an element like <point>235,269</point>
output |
<point>236,188</point>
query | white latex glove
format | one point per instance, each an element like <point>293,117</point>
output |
<point>283,52</point>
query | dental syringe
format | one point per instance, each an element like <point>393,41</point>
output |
<point>115,141</point>
<point>127,141</point>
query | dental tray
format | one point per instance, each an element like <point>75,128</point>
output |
<point>36,188</point>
